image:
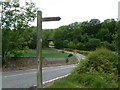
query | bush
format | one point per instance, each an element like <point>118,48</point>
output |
<point>93,43</point>
<point>70,55</point>
<point>100,60</point>
<point>97,71</point>
<point>95,80</point>
<point>103,60</point>
<point>111,46</point>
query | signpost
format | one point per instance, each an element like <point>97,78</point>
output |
<point>51,19</point>
<point>39,44</point>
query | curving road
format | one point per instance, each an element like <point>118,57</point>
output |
<point>28,78</point>
<point>77,55</point>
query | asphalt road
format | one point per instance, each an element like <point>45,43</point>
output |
<point>77,55</point>
<point>28,78</point>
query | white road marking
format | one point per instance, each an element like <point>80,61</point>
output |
<point>51,80</point>
<point>56,78</point>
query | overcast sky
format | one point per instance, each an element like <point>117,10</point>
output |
<point>76,10</point>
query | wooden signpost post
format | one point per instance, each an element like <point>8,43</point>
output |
<point>39,44</point>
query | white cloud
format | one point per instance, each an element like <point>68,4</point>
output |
<point>77,10</point>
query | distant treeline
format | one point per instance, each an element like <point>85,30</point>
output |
<point>87,35</point>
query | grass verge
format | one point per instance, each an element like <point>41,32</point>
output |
<point>98,70</point>
<point>46,52</point>
<point>64,83</point>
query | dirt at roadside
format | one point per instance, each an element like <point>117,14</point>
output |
<point>15,66</point>
<point>7,69</point>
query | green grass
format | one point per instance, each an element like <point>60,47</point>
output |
<point>65,83</point>
<point>90,73</point>
<point>46,52</point>
<point>86,80</point>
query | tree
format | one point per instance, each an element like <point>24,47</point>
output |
<point>46,36</point>
<point>92,43</point>
<point>110,26</point>
<point>118,45</point>
<point>32,37</point>
<point>94,26</point>
<point>103,34</point>
<point>86,35</point>
<point>71,45</point>
<point>15,27</point>
<point>65,43</point>
<point>91,27</point>
<point>59,37</point>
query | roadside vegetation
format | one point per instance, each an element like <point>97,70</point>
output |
<point>46,52</point>
<point>84,36</point>
<point>16,31</point>
<point>98,70</point>
<point>87,35</point>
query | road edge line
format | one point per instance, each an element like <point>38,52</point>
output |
<point>34,86</point>
<point>56,78</point>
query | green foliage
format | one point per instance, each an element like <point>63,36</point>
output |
<point>71,45</point>
<point>86,80</point>
<point>118,45</point>
<point>65,83</point>
<point>32,38</point>
<point>87,35</point>
<point>98,70</point>
<point>46,52</point>
<point>100,60</point>
<point>92,27</point>
<point>58,39</point>
<point>83,52</point>
<point>46,36</point>
<point>15,27</point>
<point>108,45</point>
<point>94,80</point>
<point>80,46</point>
<point>65,43</point>
<point>92,43</point>
<point>51,53</point>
